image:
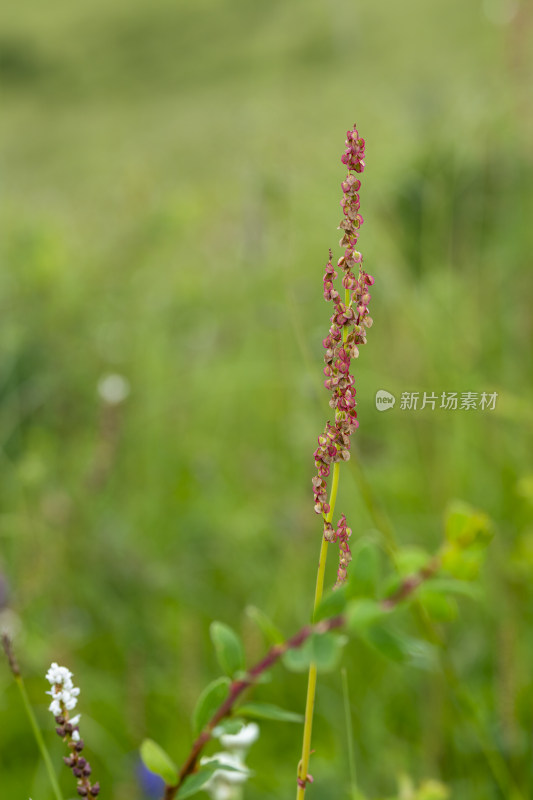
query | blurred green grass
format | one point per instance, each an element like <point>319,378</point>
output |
<point>170,178</point>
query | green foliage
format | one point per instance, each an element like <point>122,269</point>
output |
<point>364,573</point>
<point>324,650</point>
<point>269,711</point>
<point>230,725</point>
<point>208,702</point>
<point>362,614</point>
<point>194,783</point>
<point>158,761</point>
<point>333,603</point>
<point>372,624</point>
<point>228,647</point>
<point>468,533</point>
<point>270,631</point>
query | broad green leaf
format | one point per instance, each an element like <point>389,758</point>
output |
<point>438,605</point>
<point>268,711</point>
<point>158,761</point>
<point>211,698</point>
<point>321,649</point>
<point>421,654</point>
<point>409,560</point>
<point>228,647</point>
<point>194,783</point>
<point>231,726</point>
<point>438,594</point>
<point>364,569</point>
<point>463,563</point>
<point>389,643</point>
<point>266,626</point>
<point>465,526</point>
<point>332,604</point>
<point>370,621</point>
<point>450,586</point>
<point>299,659</point>
<point>327,650</point>
<point>362,613</point>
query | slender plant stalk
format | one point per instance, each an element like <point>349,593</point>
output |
<point>354,791</point>
<point>13,665</point>
<point>303,767</point>
<point>39,738</point>
<point>348,323</point>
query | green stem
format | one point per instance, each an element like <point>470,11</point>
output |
<point>38,737</point>
<point>349,736</point>
<point>303,767</point>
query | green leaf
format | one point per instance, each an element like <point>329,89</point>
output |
<point>299,659</point>
<point>158,761</point>
<point>327,649</point>
<point>438,594</point>
<point>463,563</point>
<point>454,587</point>
<point>411,559</point>
<point>269,711</point>
<point>465,526</point>
<point>321,649</point>
<point>266,626</point>
<point>364,570</point>
<point>421,654</point>
<point>387,642</point>
<point>228,647</point>
<point>194,783</point>
<point>371,622</point>
<point>438,606</point>
<point>231,726</point>
<point>211,698</point>
<point>362,613</point>
<point>332,604</point>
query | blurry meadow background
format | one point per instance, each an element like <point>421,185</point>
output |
<point>170,184</point>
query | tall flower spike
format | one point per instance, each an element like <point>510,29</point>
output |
<point>348,324</point>
<point>64,699</point>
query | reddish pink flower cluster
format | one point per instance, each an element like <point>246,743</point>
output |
<point>349,321</point>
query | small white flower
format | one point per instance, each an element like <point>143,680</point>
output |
<point>55,708</point>
<point>75,720</point>
<point>63,692</point>
<point>68,700</point>
<point>75,736</point>
<point>59,675</point>
<point>241,740</point>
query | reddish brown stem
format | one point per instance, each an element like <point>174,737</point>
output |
<point>411,584</point>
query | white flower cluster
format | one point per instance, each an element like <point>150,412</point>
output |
<point>226,784</point>
<point>63,693</point>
